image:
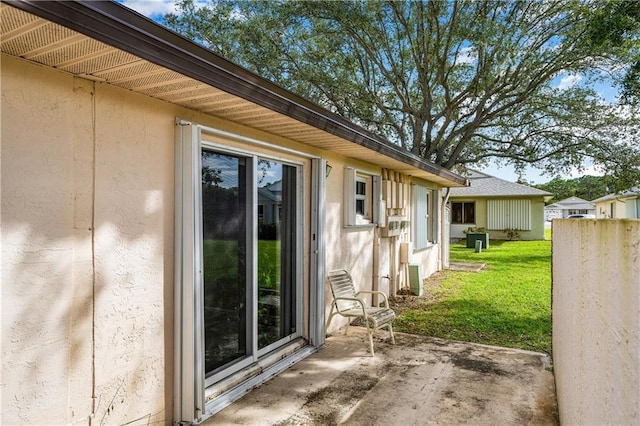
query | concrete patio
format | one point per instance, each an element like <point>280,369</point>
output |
<point>419,381</point>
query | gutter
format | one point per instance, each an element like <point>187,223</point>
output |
<point>124,29</point>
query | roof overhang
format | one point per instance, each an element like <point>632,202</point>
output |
<point>106,42</point>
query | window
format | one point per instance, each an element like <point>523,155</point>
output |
<point>361,198</point>
<point>463,213</point>
<point>424,220</point>
<point>362,209</point>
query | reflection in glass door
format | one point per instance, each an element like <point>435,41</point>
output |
<point>276,251</point>
<point>224,248</point>
<point>249,296</point>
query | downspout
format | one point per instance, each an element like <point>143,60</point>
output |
<point>394,270</point>
<point>443,240</point>
<point>376,265</point>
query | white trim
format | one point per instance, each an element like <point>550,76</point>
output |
<point>189,394</point>
<point>317,255</point>
<point>373,194</point>
<point>253,141</point>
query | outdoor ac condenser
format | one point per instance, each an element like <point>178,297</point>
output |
<point>415,280</point>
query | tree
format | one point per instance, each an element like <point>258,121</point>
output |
<point>616,25</point>
<point>585,187</point>
<point>457,82</point>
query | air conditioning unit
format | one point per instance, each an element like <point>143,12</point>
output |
<point>415,280</point>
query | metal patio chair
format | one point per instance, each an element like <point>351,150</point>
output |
<point>347,304</point>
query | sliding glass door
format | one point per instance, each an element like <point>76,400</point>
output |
<point>249,244</point>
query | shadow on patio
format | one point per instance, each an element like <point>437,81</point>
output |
<point>419,381</point>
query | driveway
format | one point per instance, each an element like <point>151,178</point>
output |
<point>419,381</point>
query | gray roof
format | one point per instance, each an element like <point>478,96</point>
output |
<point>572,203</point>
<point>484,185</point>
<point>630,193</point>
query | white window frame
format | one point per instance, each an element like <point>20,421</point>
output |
<point>372,198</point>
<point>424,223</point>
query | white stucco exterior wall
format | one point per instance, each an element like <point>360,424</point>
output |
<point>87,224</point>
<point>133,254</point>
<point>46,242</point>
<point>596,320</point>
<point>357,243</point>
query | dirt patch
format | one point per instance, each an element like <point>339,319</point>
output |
<point>467,266</point>
<point>477,365</point>
<point>404,299</point>
<point>328,405</point>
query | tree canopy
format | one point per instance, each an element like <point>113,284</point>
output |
<point>585,187</point>
<point>458,82</point>
<point>616,25</point>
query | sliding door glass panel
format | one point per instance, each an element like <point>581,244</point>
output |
<point>224,248</point>
<point>276,220</point>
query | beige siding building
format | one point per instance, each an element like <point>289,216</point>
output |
<point>497,206</point>
<point>623,205</point>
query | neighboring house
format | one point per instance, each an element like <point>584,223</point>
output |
<point>568,206</point>
<point>135,288</point>
<point>270,202</point>
<point>497,205</point>
<point>623,205</point>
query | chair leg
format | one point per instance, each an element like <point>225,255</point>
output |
<point>331,314</point>
<point>393,339</point>
<point>346,330</point>
<point>370,332</point>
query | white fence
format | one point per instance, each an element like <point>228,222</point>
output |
<point>596,320</point>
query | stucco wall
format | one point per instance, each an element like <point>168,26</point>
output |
<point>357,244</point>
<point>46,231</point>
<point>87,224</point>
<point>347,248</point>
<point>596,320</point>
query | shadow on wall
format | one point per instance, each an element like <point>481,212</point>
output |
<point>54,312</point>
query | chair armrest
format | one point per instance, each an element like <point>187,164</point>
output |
<point>384,296</point>
<point>351,299</point>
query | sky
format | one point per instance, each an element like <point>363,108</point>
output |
<point>156,9</point>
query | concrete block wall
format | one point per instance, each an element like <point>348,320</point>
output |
<point>596,320</point>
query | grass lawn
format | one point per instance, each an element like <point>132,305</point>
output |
<point>507,304</point>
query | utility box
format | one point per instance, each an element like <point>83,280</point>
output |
<point>473,237</point>
<point>415,280</point>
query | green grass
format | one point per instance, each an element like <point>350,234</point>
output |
<point>507,304</point>
<point>221,261</point>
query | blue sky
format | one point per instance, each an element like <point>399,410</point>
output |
<point>156,9</point>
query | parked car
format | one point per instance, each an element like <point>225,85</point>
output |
<point>581,216</point>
